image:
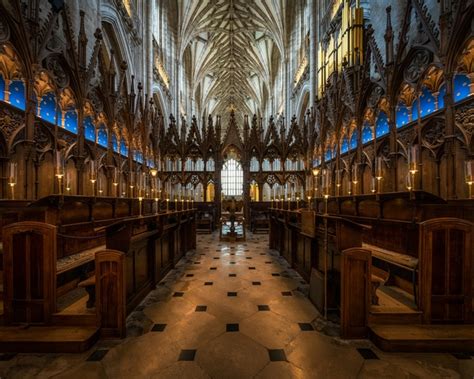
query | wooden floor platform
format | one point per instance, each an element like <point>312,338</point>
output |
<point>47,339</point>
<point>423,338</point>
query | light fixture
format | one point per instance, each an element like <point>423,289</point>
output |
<point>153,172</point>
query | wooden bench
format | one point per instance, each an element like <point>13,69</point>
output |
<point>391,258</point>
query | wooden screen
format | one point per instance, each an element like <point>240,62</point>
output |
<point>446,270</point>
<point>30,272</point>
<point>355,292</point>
<point>110,292</point>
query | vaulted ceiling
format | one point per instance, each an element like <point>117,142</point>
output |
<point>231,53</point>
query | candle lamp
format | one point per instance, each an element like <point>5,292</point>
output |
<point>12,177</point>
<point>373,187</point>
<point>167,204</point>
<point>59,170</point>
<point>93,176</point>
<point>67,183</point>
<point>469,174</point>
<point>413,164</point>
<point>140,200</point>
<point>355,180</point>
<point>156,205</point>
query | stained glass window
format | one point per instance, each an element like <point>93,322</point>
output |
<point>232,178</point>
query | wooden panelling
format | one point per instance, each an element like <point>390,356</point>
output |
<point>355,292</point>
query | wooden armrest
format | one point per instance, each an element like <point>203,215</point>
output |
<point>392,257</point>
<point>88,282</point>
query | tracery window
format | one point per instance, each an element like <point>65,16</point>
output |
<point>232,177</point>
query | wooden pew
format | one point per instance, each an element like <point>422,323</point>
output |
<point>409,237</point>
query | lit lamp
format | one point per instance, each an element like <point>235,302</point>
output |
<point>315,174</point>
<point>355,180</point>
<point>297,201</point>
<point>12,177</point>
<point>326,177</point>
<point>167,204</point>
<point>338,182</point>
<point>132,183</point>
<point>469,172</point>
<point>92,176</point>
<point>67,183</point>
<point>115,180</point>
<point>59,170</point>
<point>378,172</point>
<point>413,164</point>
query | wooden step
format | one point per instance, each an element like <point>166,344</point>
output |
<point>423,338</point>
<point>391,318</point>
<point>47,339</point>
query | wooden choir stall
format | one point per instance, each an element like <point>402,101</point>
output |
<point>395,267</point>
<point>117,249</point>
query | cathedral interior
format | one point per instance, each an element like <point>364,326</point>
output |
<point>237,188</point>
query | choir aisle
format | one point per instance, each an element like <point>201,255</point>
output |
<point>232,310</point>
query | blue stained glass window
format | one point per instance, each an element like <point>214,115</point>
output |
<point>354,138</point>
<point>138,156</point>
<point>17,94</point>
<point>123,148</point>
<point>381,125</point>
<point>328,155</point>
<point>461,87</point>
<point>427,102</point>
<point>150,163</point>
<point>316,162</point>
<point>102,136</point>
<point>344,145</point>
<point>2,88</point>
<point>48,108</point>
<point>115,143</point>
<point>367,134</point>
<point>89,129</point>
<point>70,121</point>
<point>414,111</point>
<point>402,118</point>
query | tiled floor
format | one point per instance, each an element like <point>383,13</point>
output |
<point>221,320</point>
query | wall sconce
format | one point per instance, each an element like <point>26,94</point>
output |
<point>92,176</point>
<point>59,170</point>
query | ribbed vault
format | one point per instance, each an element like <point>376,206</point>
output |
<point>228,48</point>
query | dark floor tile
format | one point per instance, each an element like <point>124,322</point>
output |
<point>232,327</point>
<point>187,355</point>
<point>178,294</point>
<point>268,262</point>
<point>262,253</point>
<point>248,257</point>
<point>251,268</point>
<point>158,328</point>
<point>216,258</point>
<point>287,293</point>
<point>231,294</point>
<point>256,283</point>
<point>263,308</point>
<point>208,283</point>
<point>367,353</point>
<point>232,275</point>
<point>462,355</point>
<point>305,326</point>
<point>213,268</point>
<point>275,274</point>
<point>277,355</point>
<point>201,308</point>
<point>97,355</point>
<point>232,263</point>
<point>232,253</point>
<point>7,356</point>
<point>189,275</point>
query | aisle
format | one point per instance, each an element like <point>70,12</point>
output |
<point>232,311</point>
